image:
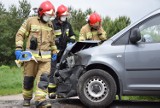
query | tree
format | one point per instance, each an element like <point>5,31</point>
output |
<point>114,26</point>
<point>10,23</point>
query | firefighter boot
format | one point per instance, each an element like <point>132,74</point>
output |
<point>26,102</point>
<point>51,91</point>
<point>43,104</point>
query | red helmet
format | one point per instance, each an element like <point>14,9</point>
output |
<point>62,11</point>
<point>46,7</point>
<point>94,18</point>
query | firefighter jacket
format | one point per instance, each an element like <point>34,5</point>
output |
<point>39,38</point>
<point>63,33</point>
<point>88,33</point>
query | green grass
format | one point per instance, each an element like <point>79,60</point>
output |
<point>11,83</point>
<point>142,98</point>
<point>10,80</point>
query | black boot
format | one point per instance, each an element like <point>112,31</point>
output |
<point>26,102</point>
<point>51,91</point>
<point>43,104</point>
<point>52,95</point>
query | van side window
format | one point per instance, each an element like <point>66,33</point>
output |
<point>150,30</point>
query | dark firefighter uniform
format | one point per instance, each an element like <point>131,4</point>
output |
<point>64,34</point>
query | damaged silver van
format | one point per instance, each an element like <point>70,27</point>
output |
<point>126,64</point>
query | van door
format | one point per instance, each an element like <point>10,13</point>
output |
<point>142,61</point>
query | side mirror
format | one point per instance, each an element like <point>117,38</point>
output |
<point>135,36</point>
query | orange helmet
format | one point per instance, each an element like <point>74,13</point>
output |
<point>62,11</point>
<point>94,18</point>
<point>46,7</point>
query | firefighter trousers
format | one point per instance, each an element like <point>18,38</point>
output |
<point>40,71</point>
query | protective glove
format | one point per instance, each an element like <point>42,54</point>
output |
<point>18,54</point>
<point>69,44</point>
<point>54,57</point>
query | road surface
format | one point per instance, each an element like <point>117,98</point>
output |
<point>15,101</point>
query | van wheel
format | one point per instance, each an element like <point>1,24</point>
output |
<point>96,88</point>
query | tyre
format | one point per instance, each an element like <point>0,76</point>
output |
<point>96,88</point>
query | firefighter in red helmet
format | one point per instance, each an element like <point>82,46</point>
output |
<point>64,36</point>
<point>93,30</point>
<point>39,33</point>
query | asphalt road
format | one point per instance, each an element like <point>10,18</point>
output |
<point>76,103</point>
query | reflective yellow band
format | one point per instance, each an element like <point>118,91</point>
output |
<point>27,93</point>
<point>57,32</point>
<point>81,38</point>
<point>19,43</point>
<point>44,54</point>
<point>23,30</point>
<point>72,37</point>
<point>40,93</point>
<point>54,47</point>
<point>37,27</point>
<point>52,85</point>
<point>67,33</point>
<point>27,34</point>
<point>94,33</point>
<point>89,35</point>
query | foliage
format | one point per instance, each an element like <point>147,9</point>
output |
<point>10,22</point>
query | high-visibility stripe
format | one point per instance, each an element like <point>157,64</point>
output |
<point>52,85</point>
<point>89,35</point>
<point>27,34</point>
<point>58,33</point>
<point>54,47</point>
<point>19,43</point>
<point>27,93</point>
<point>94,33</point>
<point>67,33</point>
<point>37,28</point>
<point>40,93</point>
<point>23,30</point>
<point>44,54</point>
<point>72,37</point>
<point>81,38</point>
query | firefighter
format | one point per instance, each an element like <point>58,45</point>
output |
<point>39,33</point>
<point>64,36</point>
<point>93,30</point>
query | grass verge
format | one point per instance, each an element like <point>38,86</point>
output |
<point>10,80</point>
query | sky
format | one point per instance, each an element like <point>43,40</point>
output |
<point>135,9</point>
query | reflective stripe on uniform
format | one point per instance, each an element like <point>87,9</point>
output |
<point>54,47</point>
<point>81,38</point>
<point>73,37</point>
<point>89,35</point>
<point>67,32</point>
<point>37,28</point>
<point>44,54</point>
<point>27,34</point>
<point>51,85</point>
<point>57,32</point>
<point>27,93</point>
<point>23,30</point>
<point>40,93</point>
<point>94,33</point>
<point>19,43</point>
